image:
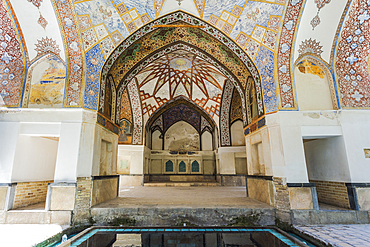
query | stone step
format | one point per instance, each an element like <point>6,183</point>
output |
<point>35,217</point>
<point>181,184</point>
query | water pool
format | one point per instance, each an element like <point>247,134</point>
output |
<point>183,237</point>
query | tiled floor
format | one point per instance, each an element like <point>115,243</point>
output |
<point>183,197</point>
<point>340,235</point>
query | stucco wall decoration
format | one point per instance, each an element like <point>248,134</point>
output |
<point>74,53</point>
<point>13,61</point>
<point>285,50</point>
<point>352,57</point>
<point>137,135</point>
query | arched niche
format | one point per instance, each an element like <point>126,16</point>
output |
<point>45,83</point>
<point>183,137</point>
<point>157,140</point>
<point>207,141</point>
<point>314,85</point>
<point>237,136</point>
<point>182,109</point>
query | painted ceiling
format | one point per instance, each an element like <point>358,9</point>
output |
<point>180,73</point>
<point>274,34</point>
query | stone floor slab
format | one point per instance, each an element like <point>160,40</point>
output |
<point>339,235</point>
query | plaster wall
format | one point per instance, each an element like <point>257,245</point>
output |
<point>356,133</point>
<point>313,92</point>
<point>8,136</point>
<point>105,152</point>
<point>226,157</point>
<point>237,137</point>
<point>287,129</point>
<point>131,159</point>
<point>292,127</point>
<point>207,141</point>
<point>35,159</point>
<point>327,159</point>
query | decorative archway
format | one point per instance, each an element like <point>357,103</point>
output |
<point>179,31</point>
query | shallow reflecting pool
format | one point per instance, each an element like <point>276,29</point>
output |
<point>183,237</point>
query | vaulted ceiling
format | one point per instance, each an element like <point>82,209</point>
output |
<point>274,34</point>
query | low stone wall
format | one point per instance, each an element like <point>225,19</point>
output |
<point>104,188</point>
<point>30,193</point>
<point>333,193</point>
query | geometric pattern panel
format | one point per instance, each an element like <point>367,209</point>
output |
<point>67,21</point>
<point>180,73</point>
<point>352,58</point>
<point>181,112</point>
<point>284,56</point>
<point>150,104</point>
<point>94,60</point>
<point>225,110</point>
<point>236,110</point>
<point>137,135</point>
<point>126,107</point>
<point>12,61</point>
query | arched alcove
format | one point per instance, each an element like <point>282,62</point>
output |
<point>182,136</point>
<point>314,85</point>
<point>45,83</point>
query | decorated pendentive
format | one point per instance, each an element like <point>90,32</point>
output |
<point>316,20</point>
<point>42,21</point>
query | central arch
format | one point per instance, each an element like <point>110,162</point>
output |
<point>186,54</point>
<point>186,32</point>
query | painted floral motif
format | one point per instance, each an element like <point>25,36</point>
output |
<point>42,21</point>
<point>45,46</point>
<point>224,117</point>
<point>352,56</point>
<point>316,20</point>
<point>37,3</point>
<point>137,115</point>
<point>12,61</point>
<point>310,46</point>
<point>73,52</point>
<point>284,73</point>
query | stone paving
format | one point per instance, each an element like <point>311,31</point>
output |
<point>339,235</point>
<point>183,197</point>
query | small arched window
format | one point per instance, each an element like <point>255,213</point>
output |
<point>182,166</point>
<point>195,166</point>
<point>169,166</point>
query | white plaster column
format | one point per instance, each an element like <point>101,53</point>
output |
<point>68,152</point>
<point>356,134</point>
<point>8,142</point>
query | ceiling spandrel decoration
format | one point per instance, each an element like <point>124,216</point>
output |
<point>180,73</point>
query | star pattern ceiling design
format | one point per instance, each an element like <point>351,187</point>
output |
<point>181,73</point>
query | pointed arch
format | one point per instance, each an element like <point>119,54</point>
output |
<point>125,60</point>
